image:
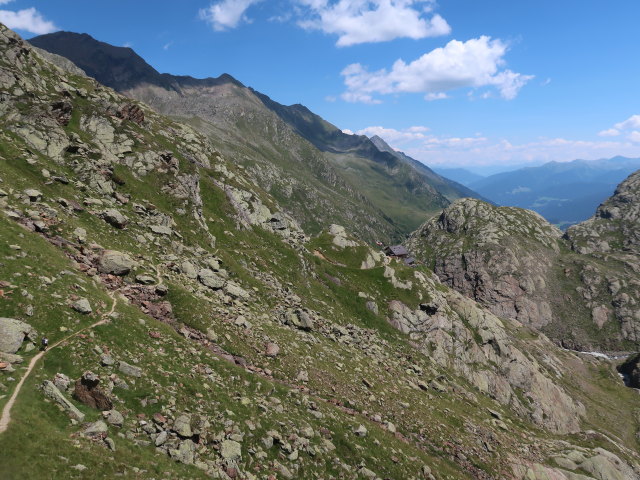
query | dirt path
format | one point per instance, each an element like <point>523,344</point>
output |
<point>6,411</point>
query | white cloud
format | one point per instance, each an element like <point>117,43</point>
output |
<point>364,21</point>
<point>167,45</point>
<point>474,63</point>
<point>226,14</point>
<point>4,2</point>
<point>430,97</point>
<point>630,126</point>
<point>611,132</point>
<point>356,97</point>
<point>479,150</point>
<point>630,123</point>
<point>393,136</point>
<point>348,132</point>
<point>28,19</point>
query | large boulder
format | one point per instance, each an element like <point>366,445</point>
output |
<point>12,334</point>
<point>115,218</point>
<point>52,392</point>
<point>630,370</point>
<point>88,392</point>
<point>115,263</point>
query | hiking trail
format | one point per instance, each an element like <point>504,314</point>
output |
<point>6,411</point>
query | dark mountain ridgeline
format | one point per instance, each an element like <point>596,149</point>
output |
<point>395,190</point>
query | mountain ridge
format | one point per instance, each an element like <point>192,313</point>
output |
<point>396,191</point>
<point>234,344</point>
<point>563,192</point>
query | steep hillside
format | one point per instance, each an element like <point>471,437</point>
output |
<point>460,175</point>
<point>318,173</point>
<point>521,267</point>
<point>196,331</point>
<point>564,193</point>
<point>450,189</point>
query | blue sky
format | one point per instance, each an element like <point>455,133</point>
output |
<point>452,83</point>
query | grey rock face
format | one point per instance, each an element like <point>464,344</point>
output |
<point>13,332</point>
<point>115,218</point>
<point>615,226</point>
<point>182,426</point>
<point>115,418</point>
<point>52,392</point>
<point>82,305</point>
<point>210,279</point>
<point>497,256</point>
<point>231,450</point>
<point>115,263</point>
<point>127,369</point>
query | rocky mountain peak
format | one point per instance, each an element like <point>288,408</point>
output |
<point>615,227</point>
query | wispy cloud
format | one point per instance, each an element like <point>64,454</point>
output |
<point>476,150</point>
<point>226,14</point>
<point>365,21</point>
<point>393,136</point>
<point>29,20</point>
<point>167,45</point>
<point>629,127</point>
<point>474,63</point>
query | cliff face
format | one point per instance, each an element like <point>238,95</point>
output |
<point>581,289</point>
<point>196,330</point>
<point>498,256</point>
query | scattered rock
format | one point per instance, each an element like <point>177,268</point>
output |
<point>115,263</point>
<point>114,417</point>
<point>82,305</point>
<point>230,450</point>
<point>52,392</point>
<point>361,431</point>
<point>272,349</point>
<point>127,369</point>
<point>97,429</point>
<point>115,218</point>
<point>182,426</point>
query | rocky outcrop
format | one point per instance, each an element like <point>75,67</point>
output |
<point>615,226</point>
<point>52,392</point>
<point>457,334</point>
<point>13,332</point>
<point>520,267</point>
<point>499,256</point>
<point>88,392</point>
<point>630,369</point>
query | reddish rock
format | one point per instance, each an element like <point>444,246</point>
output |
<point>88,392</point>
<point>131,112</point>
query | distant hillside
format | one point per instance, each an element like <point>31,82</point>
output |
<point>563,193</point>
<point>315,171</point>
<point>460,175</point>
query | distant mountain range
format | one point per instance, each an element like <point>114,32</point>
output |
<point>320,174</point>
<point>460,175</point>
<point>563,192</point>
